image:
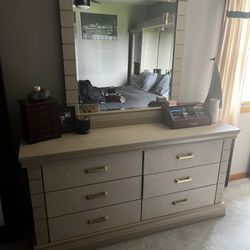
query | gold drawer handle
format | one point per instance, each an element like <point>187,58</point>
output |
<point>96,170</point>
<point>185,157</point>
<point>183,180</point>
<point>97,196</point>
<point>193,123</point>
<point>98,220</point>
<point>179,202</point>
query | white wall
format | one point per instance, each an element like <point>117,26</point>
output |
<point>241,155</point>
<point>204,20</point>
<point>103,62</point>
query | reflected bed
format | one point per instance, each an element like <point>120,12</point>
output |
<point>134,99</point>
<point>138,95</point>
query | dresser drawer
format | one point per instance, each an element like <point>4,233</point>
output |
<point>182,156</point>
<point>93,196</point>
<point>180,180</point>
<point>178,202</point>
<point>94,220</point>
<point>78,172</point>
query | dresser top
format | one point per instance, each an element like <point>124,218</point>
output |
<point>117,139</point>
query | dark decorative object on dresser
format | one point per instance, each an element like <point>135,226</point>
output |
<point>67,119</point>
<point>38,94</point>
<point>40,120</point>
<point>83,125</point>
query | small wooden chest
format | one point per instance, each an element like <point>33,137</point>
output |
<point>40,120</point>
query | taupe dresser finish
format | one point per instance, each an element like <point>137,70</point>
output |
<point>120,182</point>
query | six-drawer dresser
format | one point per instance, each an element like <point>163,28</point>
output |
<point>122,182</point>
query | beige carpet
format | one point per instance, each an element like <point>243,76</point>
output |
<point>231,232</point>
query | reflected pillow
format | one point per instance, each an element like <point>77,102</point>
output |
<point>149,81</point>
<point>158,79</point>
<point>163,86</point>
<point>146,80</point>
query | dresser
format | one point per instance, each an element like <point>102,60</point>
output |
<point>122,182</point>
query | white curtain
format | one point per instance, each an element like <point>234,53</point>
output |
<point>232,57</point>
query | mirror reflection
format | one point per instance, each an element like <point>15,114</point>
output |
<point>124,52</point>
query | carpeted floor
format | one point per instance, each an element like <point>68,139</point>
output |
<point>231,232</point>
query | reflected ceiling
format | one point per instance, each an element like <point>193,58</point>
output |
<point>144,2</point>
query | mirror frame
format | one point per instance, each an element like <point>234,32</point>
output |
<point>122,117</point>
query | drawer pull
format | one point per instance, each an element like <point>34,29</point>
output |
<point>98,220</point>
<point>185,157</point>
<point>179,202</point>
<point>97,196</point>
<point>96,170</point>
<point>183,180</point>
<point>193,123</point>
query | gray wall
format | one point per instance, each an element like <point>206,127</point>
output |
<point>241,155</point>
<point>204,19</point>
<point>30,51</point>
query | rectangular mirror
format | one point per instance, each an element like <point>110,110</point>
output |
<point>129,51</point>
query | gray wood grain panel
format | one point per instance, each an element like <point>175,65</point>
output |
<point>77,224</point>
<point>220,188</point>
<point>227,143</point>
<point>65,4</point>
<point>39,213</point>
<point>165,183</point>
<point>219,198</point>
<point>182,7</point>
<point>71,82</point>
<point>163,205</point>
<point>68,52</point>
<point>71,173</point>
<point>67,35</point>
<point>34,173</point>
<point>225,155</point>
<point>42,238</point>
<point>166,158</point>
<point>67,18</point>
<point>37,200</point>
<point>222,177</point>
<point>118,139</point>
<point>41,226</point>
<point>223,166</point>
<point>75,199</point>
<point>36,186</point>
<point>69,67</point>
<point>137,229</point>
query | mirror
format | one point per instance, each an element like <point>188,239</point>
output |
<point>115,44</point>
<point>123,44</point>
